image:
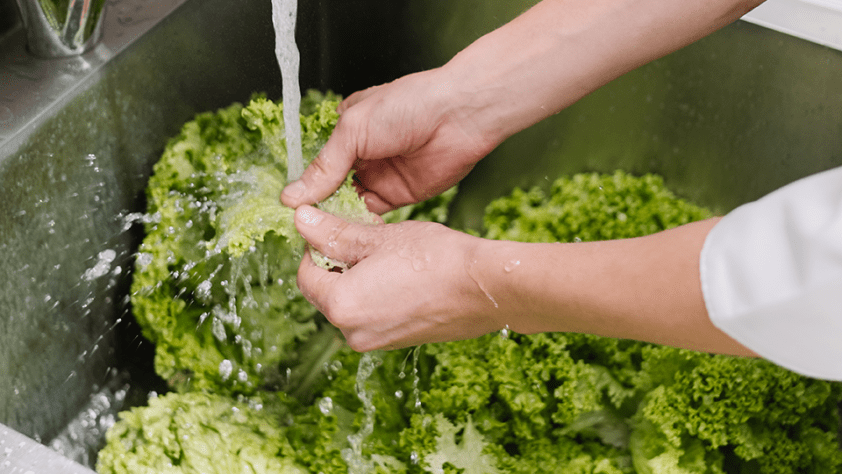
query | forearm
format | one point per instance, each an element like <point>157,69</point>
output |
<point>646,288</point>
<point>561,50</point>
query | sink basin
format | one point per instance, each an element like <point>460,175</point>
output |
<point>725,121</point>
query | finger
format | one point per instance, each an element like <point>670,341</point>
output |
<point>326,172</point>
<point>375,203</point>
<point>334,237</point>
<point>315,283</point>
<point>383,186</point>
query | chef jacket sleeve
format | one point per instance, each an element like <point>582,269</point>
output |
<point>771,274</point>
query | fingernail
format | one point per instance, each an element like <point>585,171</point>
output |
<point>310,216</point>
<point>295,190</point>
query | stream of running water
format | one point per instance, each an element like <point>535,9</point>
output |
<point>283,17</point>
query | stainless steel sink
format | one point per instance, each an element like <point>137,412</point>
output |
<point>725,121</point>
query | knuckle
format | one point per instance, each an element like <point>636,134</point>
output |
<point>339,312</point>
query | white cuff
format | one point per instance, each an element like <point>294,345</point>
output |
<point>771,274</point>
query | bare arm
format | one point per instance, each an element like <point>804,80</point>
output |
<point>561,50</point>
<point>419,282</point>
<point>419,135</point>
<point>645,288</point>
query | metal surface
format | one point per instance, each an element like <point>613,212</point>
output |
<point>819,21</point>
<point>62,29</point>
<point>9,18</point>
<point>32,89</point>
<point>63,181</point>
<point>19,455</point>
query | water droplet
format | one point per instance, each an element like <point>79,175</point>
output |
<point>203,291</point>
<point>102,266</point>
<point>144,259</point>
<point>225,369</point>
<point>326,405</point>
<point>511,265</point>
<point>218,330</point>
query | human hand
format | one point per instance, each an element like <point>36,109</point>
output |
<point>410,283</point>
<point>408,140</point>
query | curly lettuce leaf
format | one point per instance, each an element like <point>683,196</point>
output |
<point>200,433</point>
<point>517,404</point>
<point>214,285</point>
<point>467,453</point>
<point>698,407</point>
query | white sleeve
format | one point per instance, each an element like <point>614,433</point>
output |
<point>771,275</point>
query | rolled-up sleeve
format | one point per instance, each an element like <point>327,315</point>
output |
<point>771,274</point>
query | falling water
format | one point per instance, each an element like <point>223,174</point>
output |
<point>353,456</point>
<point>283,17</point>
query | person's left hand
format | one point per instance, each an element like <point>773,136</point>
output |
<point>409,283</point>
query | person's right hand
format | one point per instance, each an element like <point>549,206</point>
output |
<point>408,140</point>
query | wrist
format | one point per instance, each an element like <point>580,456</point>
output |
<point>510,278</point>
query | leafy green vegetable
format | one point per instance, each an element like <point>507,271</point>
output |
<point>713,412</point>
<point>587,207</point>
<point>684,412</point>
<point>214,285</point>
<point>201,433</point>
<point>275,389</point>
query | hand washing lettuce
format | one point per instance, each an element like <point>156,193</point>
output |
<point>508,403</point>
<point>214,283</point>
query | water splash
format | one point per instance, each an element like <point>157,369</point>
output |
<point>353,456</point>
<point>102,266</point>
<point>416,380</point>
<point>326,406</point>
<point>225,369</point>
<point>82,436</point>
<point>283,17</point>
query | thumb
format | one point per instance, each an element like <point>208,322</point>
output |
<point>334,237</point>
<point>327,171</point>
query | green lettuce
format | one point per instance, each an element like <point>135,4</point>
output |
<point>266,385</point>
<point>201,433</point>
<point>214,283</point>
